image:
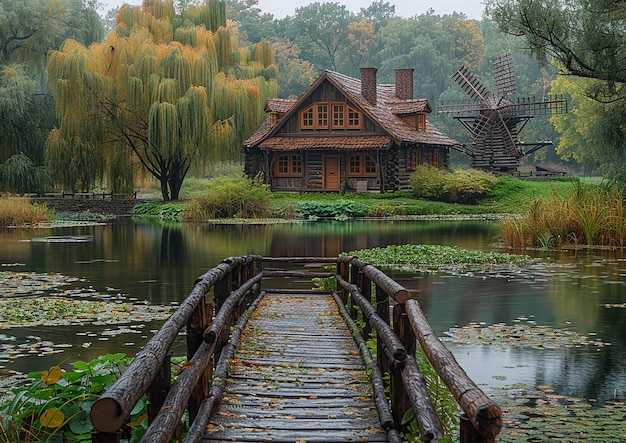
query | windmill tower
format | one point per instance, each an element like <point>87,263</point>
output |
<point>494,120</point>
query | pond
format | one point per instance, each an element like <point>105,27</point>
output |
<point>141,262</point>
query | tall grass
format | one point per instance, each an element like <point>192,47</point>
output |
<point>228,197</point>
<point>589,215</point>
<point>17,211</point>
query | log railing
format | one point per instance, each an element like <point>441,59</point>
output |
<point>481,420</point>
<point>234,286</point>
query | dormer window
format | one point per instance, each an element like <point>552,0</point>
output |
<point>307,119</point>
<point>326,116</point>
<point>420,120</point>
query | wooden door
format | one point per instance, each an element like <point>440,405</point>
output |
<point>331,172</point>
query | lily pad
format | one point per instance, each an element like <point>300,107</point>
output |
<point>518,335</point>
<point>544,415</point>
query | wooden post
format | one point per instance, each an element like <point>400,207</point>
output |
<point>221,289</point>
<point>382,308</point>
<point>400,402</point>
<point>158,389</point>
<point>366,291</point>
<point>469,434</point>
<point>197,324</point>
<point>343,269</point>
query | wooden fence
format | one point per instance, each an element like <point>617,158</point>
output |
<point>234,286</point>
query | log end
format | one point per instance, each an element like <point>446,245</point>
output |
<point>209,336</point>
<point>401,296</point>
<point>489,420</point>
<point>106,415</point>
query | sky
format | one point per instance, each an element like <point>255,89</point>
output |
<point>404,8</point>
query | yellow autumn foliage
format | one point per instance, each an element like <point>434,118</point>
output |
<point>113,94</point>
<point>52,418</point>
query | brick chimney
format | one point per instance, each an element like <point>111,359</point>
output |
<point>368,84</point>
<point>404,83</point>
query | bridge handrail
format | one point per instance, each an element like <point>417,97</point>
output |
<point>110,412</point>
<point>235,282</point>
<point>483,416</point>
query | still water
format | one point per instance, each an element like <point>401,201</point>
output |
<point>579,291</point>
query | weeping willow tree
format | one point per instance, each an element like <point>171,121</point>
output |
<point>167,92</point>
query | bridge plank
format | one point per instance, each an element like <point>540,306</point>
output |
<point>297,375</point>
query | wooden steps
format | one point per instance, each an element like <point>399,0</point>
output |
<point>297,376</point>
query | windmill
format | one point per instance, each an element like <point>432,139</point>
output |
<point>494,120</point>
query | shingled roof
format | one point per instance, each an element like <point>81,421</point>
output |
<point>386,112</point>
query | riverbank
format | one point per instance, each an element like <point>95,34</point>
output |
<point>508,196</point>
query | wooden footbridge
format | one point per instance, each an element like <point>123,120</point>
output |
<point>292,365</point>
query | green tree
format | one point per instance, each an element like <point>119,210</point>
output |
<point>591,124</point>
<point>295,75</point>
<point>322,32</point>
<point>28,30</point>
<point>423,44</point>
<point>379,13</point>
<point>584,39</point>
<point>166,91</point>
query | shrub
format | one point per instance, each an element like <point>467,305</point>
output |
<point>339,209</point>
<point>466,186</point>
<point>429,183</point>
<point>228,197</point>
<point>16,211</point>
<point>469,186</point>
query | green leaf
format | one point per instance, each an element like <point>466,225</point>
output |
<point>81,423</point>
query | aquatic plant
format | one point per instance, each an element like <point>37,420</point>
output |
<point>339,209</point>
<point>54,404</point>
<point>594,215</point>
<point>439,258</point>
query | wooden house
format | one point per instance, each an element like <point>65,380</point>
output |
<point>346,134</point>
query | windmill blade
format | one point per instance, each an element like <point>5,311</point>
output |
<point>508,137</point>
<point>460,106</point>
<point>481,126</point>
<point>503,73</point>
<point>470,84</point>
<point>551,104</point>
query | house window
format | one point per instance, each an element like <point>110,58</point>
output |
<point>289,165</point>
<point>361,165</point>
<point>330,116</point>
<point>415,159</point>
<point>306,118</point>
<point>354,119</point>
<point>421,122</point>
<point>435,159</point>
<point>339,116</point>
<point>322,116</point>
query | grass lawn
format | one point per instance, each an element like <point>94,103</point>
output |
<point>510,195</point>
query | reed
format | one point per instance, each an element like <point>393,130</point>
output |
<point>18,211</point>
<point>593,214</point>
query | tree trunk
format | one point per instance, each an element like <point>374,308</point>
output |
<point>175,183</point>
<point>164,189</point>
<point>177,177</point>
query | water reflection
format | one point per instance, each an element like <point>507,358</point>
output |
<point>159,263</point>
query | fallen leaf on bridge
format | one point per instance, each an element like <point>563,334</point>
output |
<point>185,366</point>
